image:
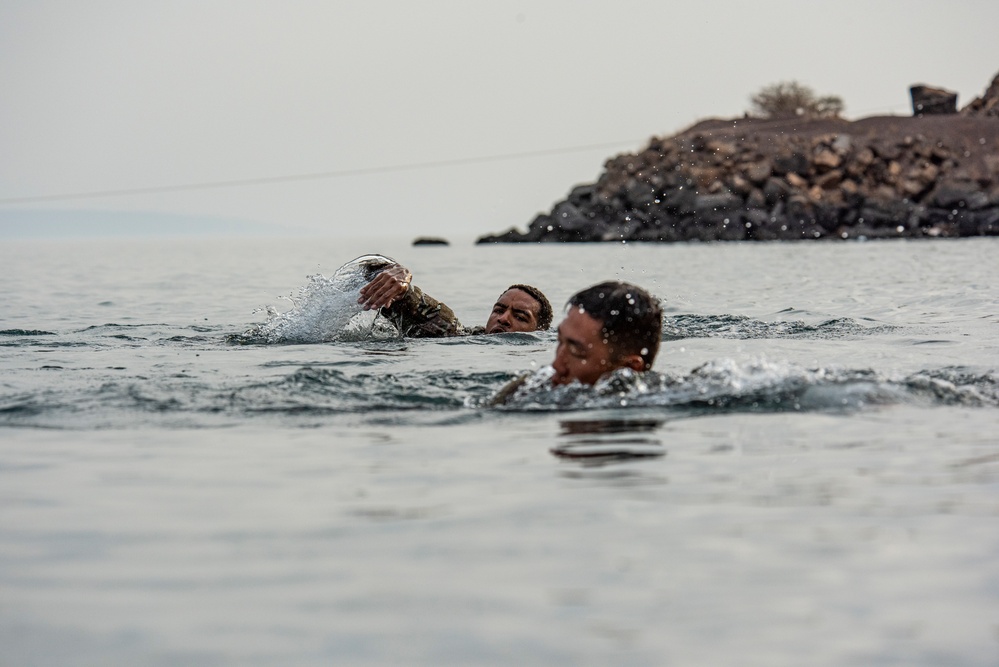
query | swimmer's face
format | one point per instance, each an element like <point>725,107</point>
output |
<point>583,353</point>
<point>514,310</point>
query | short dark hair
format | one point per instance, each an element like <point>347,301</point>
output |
<point>632,318</point>
<point>544,314</point>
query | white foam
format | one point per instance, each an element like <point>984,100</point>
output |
<point>326,309</point>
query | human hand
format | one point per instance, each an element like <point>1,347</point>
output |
<point>386,287</point>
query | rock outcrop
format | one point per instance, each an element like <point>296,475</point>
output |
<point>758,179</point>
<point>430,240</point>
<point>987,104</point>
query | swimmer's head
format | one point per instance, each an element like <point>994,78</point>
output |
<point>608,326</point>
<point>520,308</point>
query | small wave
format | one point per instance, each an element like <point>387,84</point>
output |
<point>18,407</point>
<point>306,390</point>
<point>678,327</point>
<point>955,386</point>
<point>719,387</point>
<point>188,340</point>
<point>757,386</point>
<point>506,338</point>
<point>112,328</point>
<point>310,390</point>
<point>25,332</point>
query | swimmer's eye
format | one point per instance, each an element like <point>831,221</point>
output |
<point>522,318</point>
<point>574,350</point>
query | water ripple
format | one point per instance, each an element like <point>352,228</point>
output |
<point>678,327</point>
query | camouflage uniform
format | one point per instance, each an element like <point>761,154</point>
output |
<point>420,315</point>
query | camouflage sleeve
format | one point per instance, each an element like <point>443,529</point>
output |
<point>419,315</point>
<point>508,390</point>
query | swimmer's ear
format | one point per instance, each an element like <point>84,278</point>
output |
<point>634,362</point>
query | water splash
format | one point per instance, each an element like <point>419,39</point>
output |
<point>305,394</point>
<point>325,309</point>
<point>760,385</point>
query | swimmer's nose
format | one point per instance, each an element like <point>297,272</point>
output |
<point>560,369</point>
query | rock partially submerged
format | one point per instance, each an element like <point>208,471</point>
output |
<point>430,240</point>
<point>759,179</point>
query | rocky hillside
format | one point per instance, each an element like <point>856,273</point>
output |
<point>759,179</point>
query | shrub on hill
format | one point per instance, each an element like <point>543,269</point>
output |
<point>789,99</point>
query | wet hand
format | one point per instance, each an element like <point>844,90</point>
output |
<point>386,287</point>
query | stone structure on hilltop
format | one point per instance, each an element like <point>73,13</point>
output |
<point>927,100</point>
<point>758,179</point>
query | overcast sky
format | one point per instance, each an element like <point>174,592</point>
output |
<point>498,101</point>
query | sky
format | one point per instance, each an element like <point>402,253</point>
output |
<point>431,118</point>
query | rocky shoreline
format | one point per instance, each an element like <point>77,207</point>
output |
<point>793,179</point>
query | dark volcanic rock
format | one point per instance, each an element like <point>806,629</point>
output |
<point>430,240</point>
<point>987,104</point>
<point>792,179</point>
<point>927,100</point>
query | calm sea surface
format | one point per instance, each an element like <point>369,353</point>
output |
<point>811,477</point>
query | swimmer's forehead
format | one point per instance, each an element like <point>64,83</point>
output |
<point>579,325</point>
<point>517,299</point>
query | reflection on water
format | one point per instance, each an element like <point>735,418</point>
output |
<point>602,441</point>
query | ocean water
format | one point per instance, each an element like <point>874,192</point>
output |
<point>811,476</point>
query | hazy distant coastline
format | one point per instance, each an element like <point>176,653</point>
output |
<point>78,224</point>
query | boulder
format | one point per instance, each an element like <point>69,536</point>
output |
<point>795,163</point>
<point>827,159</point>
<point>758,172</point>
<point>927,100</point>
<point>957,195</point>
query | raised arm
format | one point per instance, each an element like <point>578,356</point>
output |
<point>413,313</point>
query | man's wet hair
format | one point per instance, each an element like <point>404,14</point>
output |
<point>545,314</point>
<point>632,318</point>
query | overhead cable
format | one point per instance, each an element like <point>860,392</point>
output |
<point>338,173</point>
